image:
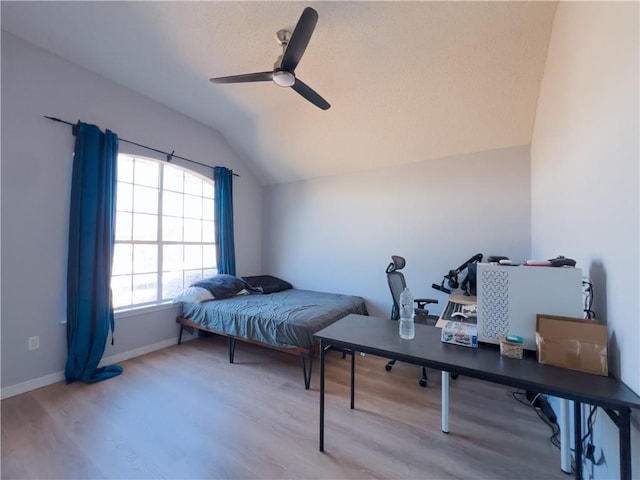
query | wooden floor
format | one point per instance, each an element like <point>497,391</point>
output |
<point>185,412</point>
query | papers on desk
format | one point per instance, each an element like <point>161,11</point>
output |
<point>460,308</point>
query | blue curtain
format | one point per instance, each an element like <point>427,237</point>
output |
<point>223,205</point>
<point>91,239</point>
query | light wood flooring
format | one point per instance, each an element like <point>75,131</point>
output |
<point>185,412</point>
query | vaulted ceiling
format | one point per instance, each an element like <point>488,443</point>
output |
<point>407,81</point>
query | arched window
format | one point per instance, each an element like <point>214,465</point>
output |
<point>164,232</point>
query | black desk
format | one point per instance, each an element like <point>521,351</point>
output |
<point>378,336</point>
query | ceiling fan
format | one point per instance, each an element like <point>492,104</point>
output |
<point>283,74</point>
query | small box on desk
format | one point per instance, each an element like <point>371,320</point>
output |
<point>572,343</point>
<point>460,333</point>
<point>511,346</point>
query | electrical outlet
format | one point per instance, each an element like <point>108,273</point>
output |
<point>33,343</point>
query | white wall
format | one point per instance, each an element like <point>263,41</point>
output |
<point>36,177</point>
<point>585,185</point>
<point>337,234</point>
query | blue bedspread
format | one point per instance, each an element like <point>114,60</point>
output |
<point>285,319</point>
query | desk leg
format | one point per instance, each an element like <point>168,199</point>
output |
<point>577,420</point>
<point>321,395</point>
<point>445,402</point>
<point>353,376</point>
<point>624,434</point>
<point>565,442</point>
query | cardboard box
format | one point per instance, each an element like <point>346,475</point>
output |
<point>573,343</point>
<point>460,333</point>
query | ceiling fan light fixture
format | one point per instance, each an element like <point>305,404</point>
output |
<point>282,78</point>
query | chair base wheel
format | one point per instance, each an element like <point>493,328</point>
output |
<point>454,375</point>
<point>423,382</point>
<point>389,365</point>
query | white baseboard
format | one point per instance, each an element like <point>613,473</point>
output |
<point>19,388</point>
<point>121,357</point>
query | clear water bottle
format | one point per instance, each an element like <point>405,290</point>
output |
<point>407,327</point>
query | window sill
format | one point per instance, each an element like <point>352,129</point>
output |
<point>132,312</point>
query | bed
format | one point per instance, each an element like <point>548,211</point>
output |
<point>269,312</point>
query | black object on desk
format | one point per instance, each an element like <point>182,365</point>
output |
<point>378,336</point>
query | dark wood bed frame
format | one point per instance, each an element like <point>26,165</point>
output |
<point>306,354</point>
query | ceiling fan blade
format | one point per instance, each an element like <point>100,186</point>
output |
<point>307,92</point>
<point>299,39</point>
<point>247,77</point>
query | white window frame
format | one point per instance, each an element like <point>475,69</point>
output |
<point>159,302</point>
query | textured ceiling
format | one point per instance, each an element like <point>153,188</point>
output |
<point>407,81</point>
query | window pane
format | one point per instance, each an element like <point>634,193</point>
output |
<point>173,178</point>
<point>207,209</point>
<point>145,288</point>
<point>175,245</point>
<point>192,276</point>
<point>122,259</point>
<point>172,203</point>
<point>123,225</point>
<point>208,256</point>
<point>145,227</point>
<point>207,189</point>
<point>124,197</point>
<point>121,290</point>
<point>145,258</point>
<point>145,199</point>
<point>192,207</point>
<point>192,230</point>
<point>192,256</point>
<point>172,256</point>
<point>146,172</point>
<point>171,284</point>
<point>172,229</point>
<point>192,184</point>
<point>208,234</point>
<point>125,169</point>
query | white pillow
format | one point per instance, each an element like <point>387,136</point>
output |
<point>193,295</point>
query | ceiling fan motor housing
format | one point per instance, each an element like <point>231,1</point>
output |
<point>282,78</point>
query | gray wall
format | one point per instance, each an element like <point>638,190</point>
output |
<point>585,186</point>
<point>337,234</point>
<point>36,177</point>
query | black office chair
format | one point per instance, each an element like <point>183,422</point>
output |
<point>397,284</point>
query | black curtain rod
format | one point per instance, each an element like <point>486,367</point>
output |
<point>168,155</point>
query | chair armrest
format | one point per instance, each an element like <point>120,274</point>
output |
<point>421,302</point>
